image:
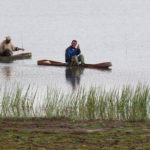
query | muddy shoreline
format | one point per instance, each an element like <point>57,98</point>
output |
<point>66,134</point>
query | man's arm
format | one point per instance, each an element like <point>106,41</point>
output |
<point>14,48</point>
<point>17,49</point>
<point>78,50</point>
<point>67,55</point>
<point>78,47</point>
<point>20,49</point>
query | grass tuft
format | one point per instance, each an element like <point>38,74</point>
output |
<point>129,104</point>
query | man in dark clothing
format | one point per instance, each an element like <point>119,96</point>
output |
<point>72,54</point>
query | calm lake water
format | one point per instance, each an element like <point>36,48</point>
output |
<point>116,31</point>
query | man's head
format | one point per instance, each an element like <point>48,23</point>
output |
<point>74,43</point>
<point>8,39</point>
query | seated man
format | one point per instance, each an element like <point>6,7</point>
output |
<point>72,55</point>
<point>7,48</point>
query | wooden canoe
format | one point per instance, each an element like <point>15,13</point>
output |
<point>15,57</point>
<point>104,65</point>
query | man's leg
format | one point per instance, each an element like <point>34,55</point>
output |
<point>81,59</point>
<point>77,61</point>
<point>7,52</point>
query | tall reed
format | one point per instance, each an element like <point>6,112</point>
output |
<point>96,103</point>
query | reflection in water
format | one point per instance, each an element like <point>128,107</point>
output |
<point>73,75</point>
<point>7,72</point>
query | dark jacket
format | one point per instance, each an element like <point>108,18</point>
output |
<point>70,52</point>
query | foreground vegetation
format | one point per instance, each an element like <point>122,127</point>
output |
<point>87,119</point>
<point>128,104</point>
<point>43,134</point>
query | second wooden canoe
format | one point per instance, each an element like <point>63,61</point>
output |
<point>104,65</point>
<point>15,57</point>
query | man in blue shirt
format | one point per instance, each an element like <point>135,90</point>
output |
<point>73,54</point>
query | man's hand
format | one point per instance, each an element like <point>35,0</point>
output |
<point>22,49</point>
<point>78,47</point>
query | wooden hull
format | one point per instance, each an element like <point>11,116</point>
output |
<point>15,57</point>
<point>104,65</point>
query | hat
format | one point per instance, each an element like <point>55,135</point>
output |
<point>8,38</point>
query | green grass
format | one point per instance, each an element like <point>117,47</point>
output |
<point>130,104</point>
<point>73,135</point>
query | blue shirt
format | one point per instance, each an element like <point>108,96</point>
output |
<point>70,52</point>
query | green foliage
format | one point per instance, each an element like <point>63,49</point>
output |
<point>96,103</point>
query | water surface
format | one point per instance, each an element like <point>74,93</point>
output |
<point>116,31</point>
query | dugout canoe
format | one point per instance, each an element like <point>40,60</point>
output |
<point>15,57</point>
<point>104,65</point>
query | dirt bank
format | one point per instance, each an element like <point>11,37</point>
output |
<point>45,134</point>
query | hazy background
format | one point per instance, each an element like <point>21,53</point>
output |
<point>112,30</point>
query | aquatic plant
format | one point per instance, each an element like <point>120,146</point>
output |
<point>96,103</point>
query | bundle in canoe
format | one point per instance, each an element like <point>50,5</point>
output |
<point>16,57</point>
<point>104,65</point>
